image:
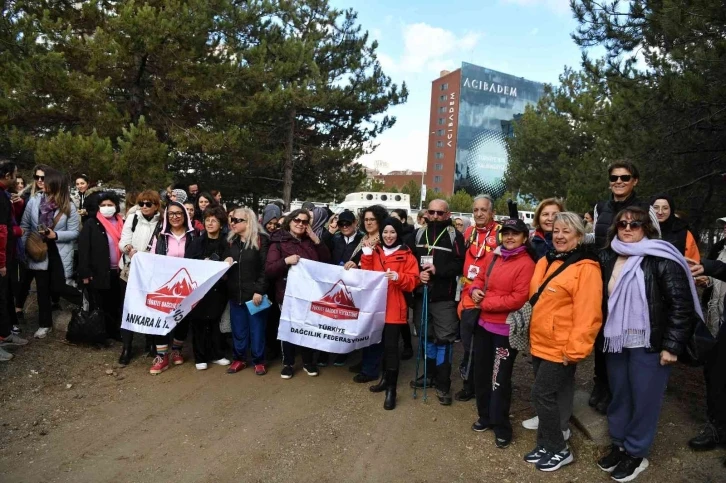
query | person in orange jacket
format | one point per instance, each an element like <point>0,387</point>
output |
<point>398,261</point>
<point>566,318</point>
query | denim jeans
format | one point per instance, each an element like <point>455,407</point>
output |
<point>248,331</point>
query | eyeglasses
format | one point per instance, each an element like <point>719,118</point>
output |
<point>623,177</point>
<point>436,212</point>
<point>634,225</point>
<point>345,224</point>
<point>176,214</point>
<point>298,221</point>
<point>38,178</point>
<point>234,221</point>
<point>147,204</point>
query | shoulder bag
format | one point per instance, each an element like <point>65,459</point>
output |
<point>35,245</point>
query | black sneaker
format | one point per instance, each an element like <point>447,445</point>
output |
<point>708,438</point>
<point>611,460</point>
<point>502,442</point>
<point>444,397</point>
<point>361,378</point>
<point>479,427</point>
<point>15,330</point>
<point>629,468</point>
<point>464,395</point>
<point>311,370</point>
<point>287,372</point>
<point>555,461</point>
<point>535,455</point>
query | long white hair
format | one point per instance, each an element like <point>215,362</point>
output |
<point>252,238</point>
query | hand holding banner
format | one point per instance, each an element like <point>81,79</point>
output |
<point>332,309</point>
<point>161,290</point>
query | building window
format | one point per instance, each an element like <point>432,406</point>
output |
<point>439,144</point>
<point>438,167</point>
<point>441,121</point>
<point>440,132</point>
<point>442,109</point>
<point>439,155</point>
<point>442,98</point>
<point>437,190</point>
<point>444,87</point>
<point>437,179</point>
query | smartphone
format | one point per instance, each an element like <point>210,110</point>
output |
<point>42,229</point>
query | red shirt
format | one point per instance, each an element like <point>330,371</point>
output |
<point>479,242</point>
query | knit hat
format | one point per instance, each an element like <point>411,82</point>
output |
<point>396,225</point>
<point>181,195</point>
<point>270,212</point>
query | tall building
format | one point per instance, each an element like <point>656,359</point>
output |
<point>472,109</point>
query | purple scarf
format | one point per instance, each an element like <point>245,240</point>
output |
<point>47,210</point>
<point>628,321</point>
<point>506,254</point>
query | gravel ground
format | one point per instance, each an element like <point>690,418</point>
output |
<point>68,413</point>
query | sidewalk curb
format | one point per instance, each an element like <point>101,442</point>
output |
<point>593,424</point>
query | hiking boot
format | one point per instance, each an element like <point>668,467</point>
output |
<point>464,395</point>
<point>260,369</point>
<point>419,383</point>
<point>177,358</point>
<point>555,461</point>
<point>42,332</point>
<point>708,438</point>
<point>235,367</point>
<point>311,370</point>
<point>161,363</point>
<point>629,468</point>
<point>535,455</point>
<point>13,339</point>
<point>361,378</point>
<point>531,423</point>
<point>287,372</point>
<point>5,356</point>
<point>612,459</point>
<point>444,397</point>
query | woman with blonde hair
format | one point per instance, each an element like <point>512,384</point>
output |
<point>247,245</point>
<point>544,220</point>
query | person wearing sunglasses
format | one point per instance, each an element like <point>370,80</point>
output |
<point>140,228</point>
<point>295,240</point>
<point>673,229</point>
<point>649,307</point>
<point>440,252</point>
<point>623,177</point>
<point>176,233</point>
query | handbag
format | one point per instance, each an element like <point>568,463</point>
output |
<point>699,345</point>
<point>520,319</point>
<point>35,246</point>
<point>88,324</point>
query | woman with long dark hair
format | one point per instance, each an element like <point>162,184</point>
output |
<point>52,215</point>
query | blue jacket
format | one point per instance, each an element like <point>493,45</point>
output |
<point>67,229</point>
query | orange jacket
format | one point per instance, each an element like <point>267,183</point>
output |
<point>692,248</point>
<point>568,314</point>
<point>404,263</point>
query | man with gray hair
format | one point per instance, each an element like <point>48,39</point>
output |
<point>440,252</point>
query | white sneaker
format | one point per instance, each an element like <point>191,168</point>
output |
<point>222,362</point>
<point>531,423</point>
<point>42,333</point>
<point>202,366</point>
<point>5,355</point>
<point>13,339</point>
<point>566,434</point>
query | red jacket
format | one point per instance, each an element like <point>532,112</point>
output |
<point>508,288</point>
<point>404,263</point>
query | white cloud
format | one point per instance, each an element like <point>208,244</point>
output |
<point>557,6</point>
<point>428,49</point>
<point>400,151</point>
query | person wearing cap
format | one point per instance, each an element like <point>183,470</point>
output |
<point>479,239</point>
<point>395,258</point>
<point>500,287</point>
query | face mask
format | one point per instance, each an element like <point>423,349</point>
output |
<point>107,211</point>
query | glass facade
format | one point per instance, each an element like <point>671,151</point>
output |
<point>488,103</point>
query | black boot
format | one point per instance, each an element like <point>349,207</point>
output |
<point>430,376</point>
<point>443,383</point>
<point>382,384</point>
<point>467,392</point>
<point>125,357</point>
<point>710,436</point>
<point>392,380</point>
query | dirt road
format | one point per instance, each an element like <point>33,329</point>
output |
<point>63,418</point>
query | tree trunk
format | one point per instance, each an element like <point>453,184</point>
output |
<point>288,161</point>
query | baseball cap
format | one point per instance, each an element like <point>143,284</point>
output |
<point>515,224</point>
<point>347,216</point>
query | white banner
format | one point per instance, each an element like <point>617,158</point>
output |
<point>161,290</point>
<point>332,309</point>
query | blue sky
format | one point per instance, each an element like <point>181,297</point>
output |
<point>417,39</point>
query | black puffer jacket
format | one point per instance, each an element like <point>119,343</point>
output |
<point>213,303</point>
<point>670,303</point>
<point>247,277</point>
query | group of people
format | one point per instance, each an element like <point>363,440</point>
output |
<point>624,288</point>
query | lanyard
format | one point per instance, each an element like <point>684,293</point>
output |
<point>483,246</point>
<point>431,247</point>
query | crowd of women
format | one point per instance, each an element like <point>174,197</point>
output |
<point>620,282</point>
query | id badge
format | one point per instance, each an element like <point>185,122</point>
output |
<point>472,272</point>
<point>427,260</point>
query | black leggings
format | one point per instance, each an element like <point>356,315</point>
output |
<point>391,356</point>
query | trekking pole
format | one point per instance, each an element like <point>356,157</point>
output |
<point>422,342</point>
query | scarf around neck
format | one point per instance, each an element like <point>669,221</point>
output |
<point>113,231</point>
<point>506,254</point>
<point>47,210</point>
<point>628,321</point>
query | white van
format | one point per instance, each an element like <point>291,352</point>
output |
<point>355,202</point>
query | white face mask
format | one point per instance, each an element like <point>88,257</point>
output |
<point>107,211</point>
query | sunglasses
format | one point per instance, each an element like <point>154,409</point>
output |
<point>298,221</point>
<point>345,224</point>
<point>623,177</point>
<point>38,178</point>
<point>436,212</point>
<point>634,225</point>
<point>176,214</point>
<point>147,204</point>
<point>234,221</point>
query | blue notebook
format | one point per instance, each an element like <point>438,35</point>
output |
<point>257,308</point>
